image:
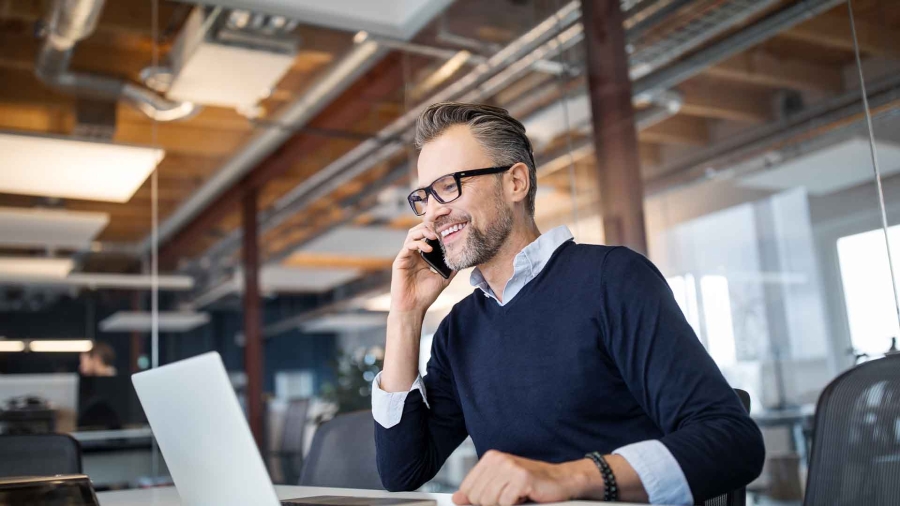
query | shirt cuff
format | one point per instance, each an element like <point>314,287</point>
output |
<point>659,472</point>
<point>387,407</point>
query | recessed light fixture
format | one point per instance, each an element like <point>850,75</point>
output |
<point>61,346</point>
<point>141,321</point>
<point>50,166</point>
<point>11,346</point>
<point>37,227</point>
<point>35,267</point>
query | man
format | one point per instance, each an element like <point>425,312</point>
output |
<point>98,362</point>
<point>571,367</point>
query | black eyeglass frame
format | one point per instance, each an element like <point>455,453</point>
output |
<point>457,176</point>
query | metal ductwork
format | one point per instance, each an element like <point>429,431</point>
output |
<point>71,21</point>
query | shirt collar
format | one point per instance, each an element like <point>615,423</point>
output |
<point>530,261</point>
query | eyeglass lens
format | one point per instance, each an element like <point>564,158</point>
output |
<point>445,188</point>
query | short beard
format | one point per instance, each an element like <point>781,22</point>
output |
<point>482,246</point>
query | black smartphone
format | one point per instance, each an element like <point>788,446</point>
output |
<point>435,258</point>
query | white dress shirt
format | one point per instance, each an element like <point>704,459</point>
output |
<point>654,464</point>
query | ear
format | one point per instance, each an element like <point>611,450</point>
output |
<point>521,183</point>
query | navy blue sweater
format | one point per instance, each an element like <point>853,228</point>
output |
<point>593,354</point>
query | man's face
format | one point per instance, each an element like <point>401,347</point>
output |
<point>86,364</point>
<point>482,211</point>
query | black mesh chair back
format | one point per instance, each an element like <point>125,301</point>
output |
<point>343,454</point>
<point>735,497</point>
<point>855,457</point>
<point>39,455</point>
<point>292,440</point>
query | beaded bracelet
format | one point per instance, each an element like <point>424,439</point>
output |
<point>610,489</point>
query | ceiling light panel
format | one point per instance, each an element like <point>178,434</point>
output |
<point>76,169</point>
<point>34,267</point>
<point>345,322</point>
<point>275,278</point>
<point>141,321</point>
<point>62,346</point>
<point>375,242</point>
<point>11,346</point>
<point>35,228</point>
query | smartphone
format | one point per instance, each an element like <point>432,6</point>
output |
<point>435,258</point>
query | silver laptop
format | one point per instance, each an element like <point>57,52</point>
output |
<point>206,442</point>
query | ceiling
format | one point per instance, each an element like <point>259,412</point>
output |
<point>353,230</point>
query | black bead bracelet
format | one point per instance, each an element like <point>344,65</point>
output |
<point>610,489</point>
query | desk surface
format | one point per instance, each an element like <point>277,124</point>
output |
<point>167,496</point>
<point>105,435</point>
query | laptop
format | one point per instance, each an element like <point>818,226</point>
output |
<point>206,442</point>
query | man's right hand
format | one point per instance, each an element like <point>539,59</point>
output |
<point>414,286</point>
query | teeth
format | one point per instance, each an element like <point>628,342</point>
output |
<point>452,229</point>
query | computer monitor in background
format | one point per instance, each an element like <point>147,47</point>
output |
<point>108,403</point>
<point>59,391</point>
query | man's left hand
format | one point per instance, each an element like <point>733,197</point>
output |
<point>500,478</point>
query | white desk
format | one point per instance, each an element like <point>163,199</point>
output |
<point>169,497</point>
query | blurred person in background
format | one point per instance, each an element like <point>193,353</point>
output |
<point>571,366</point>
<point>96,409</point>
<point>98,362</point>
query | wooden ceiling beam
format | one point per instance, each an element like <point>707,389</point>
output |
<point>707,100</point>
<point>350,108</point>
<point>123,55</point>
<point>327,261</point>
<point>649,154</point>
<point>182,139</point>
<point>763,69</point>
<point>37,119</point>
<point>680,130</point>
<point>833,30</point>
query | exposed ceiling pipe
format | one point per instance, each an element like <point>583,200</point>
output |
<point>72,21</point>
<point>694,34</point>
<point>663,106</point>
<point>733,44</point>
<point>665,101</point>
<point>538,43</point>
<point>363,156</point>
<point>752,151</point>
<point>297,114</point>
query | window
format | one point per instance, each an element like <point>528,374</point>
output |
<point>685,290</point>
<point>868,292</point>
<point>718,319</point>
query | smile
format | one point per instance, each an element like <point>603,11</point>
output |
<point>452,230</point>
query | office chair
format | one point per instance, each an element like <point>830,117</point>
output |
<point>39,455</point>
<point>290,454</point>
<point>855,456</point>
<point>735,497</point>
<point>343,454</point>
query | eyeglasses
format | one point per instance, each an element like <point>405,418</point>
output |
<point>447,188</point>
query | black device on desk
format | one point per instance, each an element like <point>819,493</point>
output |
<point>27,414</point>
<point>108,403</point>
<point>435,258</point>
<point>62,490</point>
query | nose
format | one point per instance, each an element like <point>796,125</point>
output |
<point>434,210</point>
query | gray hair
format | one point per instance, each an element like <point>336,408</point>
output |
<point>501,135</point>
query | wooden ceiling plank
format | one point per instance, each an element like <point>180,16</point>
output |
<point>325,261</point>
<point>706,100</point>
<point>349,109</point>
<point>760,68</point>
<point>182,139</point>
<point>680,130</point>
<point>649,154</point>
<point>831,30</point>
